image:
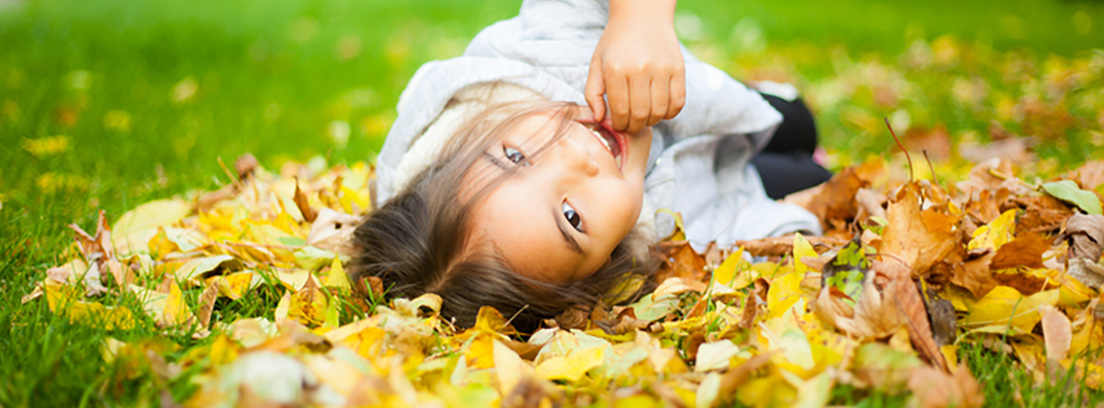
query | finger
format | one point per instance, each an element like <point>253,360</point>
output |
<point>660,89</point>
<point>595,87</point>
<point>676,94</point>
<point>640,107</point>
<point>617,95</point>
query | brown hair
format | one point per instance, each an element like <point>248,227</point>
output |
<point>415,243</point>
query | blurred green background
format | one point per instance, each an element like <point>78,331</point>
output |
<point>110,103</point>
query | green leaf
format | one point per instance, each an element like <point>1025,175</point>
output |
<point>1067,190</point>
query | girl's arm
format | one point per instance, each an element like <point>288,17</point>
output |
<point>638,66</point>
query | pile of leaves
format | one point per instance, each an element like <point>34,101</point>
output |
<point>247,285</point>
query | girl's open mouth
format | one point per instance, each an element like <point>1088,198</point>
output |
<point>614,141</point>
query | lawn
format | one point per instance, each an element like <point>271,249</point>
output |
<point>110,104</point>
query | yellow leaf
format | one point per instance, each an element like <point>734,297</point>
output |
<point>283,307</point>
<point>160,245</point>
<point>480,353</point>
<point>573,366</point>
<point>137,242</point>
<point>802,249</point>
<point>1005,306</point>
<point>353,202</point>
<point>784,292</point>
<point>997,233</point>
<point>196,269</point>
<point>336,278</point>
<point>309,304</point>
<point>815,392</point>
<point>333,316</point>
<point>950,353</point>
<point>235,285</point>
<point>726,273</point>
<point>638,401</point>
<point>159,213</point>
<point>64,301</point>
<point>176,311</point>
<point>782,333</point>
<point>223,350</point>
<point>508,366</point>
<point>715,355</point>
<point>770,391</point>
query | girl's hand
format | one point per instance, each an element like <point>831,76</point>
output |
<point>638,66</point>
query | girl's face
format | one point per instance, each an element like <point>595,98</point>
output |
<point>571,200</point>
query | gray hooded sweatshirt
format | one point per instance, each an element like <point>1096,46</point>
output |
<point>699,162</point>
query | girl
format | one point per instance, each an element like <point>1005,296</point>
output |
<point>499,187</point>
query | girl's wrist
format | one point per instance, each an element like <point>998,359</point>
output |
<point>654,10</point>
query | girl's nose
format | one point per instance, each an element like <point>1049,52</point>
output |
<point>576,155</point>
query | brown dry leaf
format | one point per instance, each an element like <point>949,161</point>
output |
<point>991,175</point>
<point>207,305</point>
<point>1025,280</point>
<point>1089,176</point>
<point>836,199</point>
<point>1087,272</point>
<point>332,230</point>
<point>782,246</point>
<point>1015,150</point>
<point>680,260</point>
<point>245,165</point>
<point>936,141</point>
<point>96,248</point>
<point>1042,213</point>
<point>301,201</point>
<point>919,238</point>
<point>1057,334</point>
<point>871,203</point>
<point>936,389</point>
<point>911,305</point>
<point>974,273</point>
<point>1085,234</point>
<point>875,315</point>
<point>985,209</point>
<point>1025,250</point>
<point>207,201</point>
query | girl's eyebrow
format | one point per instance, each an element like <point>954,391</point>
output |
<point>568,239</point>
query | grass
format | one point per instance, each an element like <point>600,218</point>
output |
<point>143,98</point>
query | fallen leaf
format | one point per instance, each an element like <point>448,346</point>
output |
<point>1024,251</point>
<point>1085,234</point>
<point>1004,306</point>
<point>715,355</point>
<point>958,390</point>
<point>919,238</point>
<point>1068,191</point>
<point>301,201</point>
<point>1087,272</point>
<point>159,213</point>
<point>782,246</point>
<point>1058,335</point>
<point>1090,175</point>
<point>332,230</point>
<point>680,260</point>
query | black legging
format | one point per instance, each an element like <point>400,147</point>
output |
<point>786,165</point>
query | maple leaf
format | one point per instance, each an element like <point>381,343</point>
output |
<point>918,238</point>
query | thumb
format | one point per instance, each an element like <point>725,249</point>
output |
<point>595,88</point>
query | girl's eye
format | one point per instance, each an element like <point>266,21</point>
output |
<point>572,217</point>
<point>513,154</point>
